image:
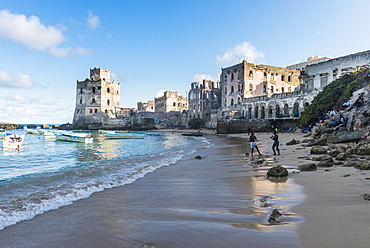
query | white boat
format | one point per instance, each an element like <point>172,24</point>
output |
<point>73,138</point>
<point>49,135</point>
<point>13,141</point>
<point>124,135</point>
<point>31,130</point>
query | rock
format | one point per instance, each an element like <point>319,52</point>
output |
<point>334,153</point>
<point>277,171</point>
<point>362,166</point>
<point>273,221</point>
<point>366,197</point>
<point>307,140</point>
<point>326,163</point>
<point>198,157</point>
<point>322,158</point>
<point>341,156</point>
<point>358,125</point>
<point>362,149</point>
<point>292,142</point>
<point>347,137</point>
<point>318,150</point>
<point>307,167</point>
<point>320,142</point>
<point>275,213</point>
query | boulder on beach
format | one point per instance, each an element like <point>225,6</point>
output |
<point>307,167</point>
<point>277,171</point>
<point>292,142</point>
<point>322,158</point>
<point>318,150</point>
<point>341,156</point>
<point>362,166</point>
<point>334,153</point>
<point>326,163</point>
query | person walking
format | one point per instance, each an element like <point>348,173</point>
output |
<point>275,138</point>
<point>253,140</point>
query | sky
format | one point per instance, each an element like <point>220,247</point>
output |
<point>151,46</point>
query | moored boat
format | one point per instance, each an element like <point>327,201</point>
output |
<point>13,141</point>
<point>124,135</point>
<point>73,138</point>
<point>31,130</point>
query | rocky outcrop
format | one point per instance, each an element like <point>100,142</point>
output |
<point>277,171</point>
<point>8,125</point>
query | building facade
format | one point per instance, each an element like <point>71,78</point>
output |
<point>246,80</point>
<point>96,97</point>
<point>204,100</point>
<point>145,106</point>
<point>170,101</point>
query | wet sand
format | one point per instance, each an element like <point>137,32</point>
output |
<point>212,202</point>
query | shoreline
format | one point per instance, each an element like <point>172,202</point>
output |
<point>205,203</point>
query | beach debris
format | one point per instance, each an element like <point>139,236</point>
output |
<point>366,197</point>
<point>277,171</point>
<point>198,157</point>
<point>307,167</point>
<point>318,150</point>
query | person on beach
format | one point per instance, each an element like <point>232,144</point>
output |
<point>275,138</point>
<point>253,140</point>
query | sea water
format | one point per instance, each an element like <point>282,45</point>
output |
<point>48,174</point>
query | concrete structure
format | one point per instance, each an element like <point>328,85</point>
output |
<point>247,80</point>
<point>317,76</point>
<point>96,98</point>
<point>204,101</point>
<point>170,101</point>
<point>310,61</point>
<point>145,106</point>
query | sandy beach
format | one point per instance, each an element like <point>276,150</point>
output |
<point>216,201</point>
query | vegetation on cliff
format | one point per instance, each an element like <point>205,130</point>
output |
<point>334,95</point>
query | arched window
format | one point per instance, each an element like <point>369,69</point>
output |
<point>286,109</point>
<point>174,104</point>
<point>93,90</point>
<point>282,78</point>
<point>106,111</point>
<point>80,90</point>
<point>239,100</point>
<point>91,111</point>
<point>289,78</point>
<point>93,100</point>
<point>256,112</point>
<point>265,74</point>
<point>225,90</point>
<point>108,102</point>
<point>250,87</point>
<point>272,89</point>
<point>108,90</point>
<point>232,102</point>
<point>232,76</point>
<point>282,89</point>
<point>264,89</point>
<point>290,89</point>
<point>81,101</point>
<point>232,89</point>
<point>263,112</point>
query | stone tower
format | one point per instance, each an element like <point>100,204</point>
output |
<point>96,98</point>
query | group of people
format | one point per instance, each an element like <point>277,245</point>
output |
<point>275,144</point>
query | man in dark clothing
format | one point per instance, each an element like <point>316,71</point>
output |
<point>275,138</point>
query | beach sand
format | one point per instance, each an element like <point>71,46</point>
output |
<point>213,202</point>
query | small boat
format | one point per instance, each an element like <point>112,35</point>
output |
<point>73,138</point>
<point>3,132</point>
<point>13,141</point>
<point>49,135</point>
<point>31,130</point>
<point>193,134</point>
<point>124,135</point>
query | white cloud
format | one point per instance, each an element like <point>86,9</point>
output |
<point>200,77</point>
<point>160,93</point>
<point>93,20</point>
<point>23,99</point>
<point>34,35</point>
<point>117,77</point>
<point>68,52</point>
<point>239,52</point>
<point>29,31</point>
<point>18,81</point>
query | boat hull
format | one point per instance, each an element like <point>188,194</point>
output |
<point>73,138</point>
<point>13,142</point>
<point>124,136</point>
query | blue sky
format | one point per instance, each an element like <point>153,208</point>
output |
<point>156,45</point>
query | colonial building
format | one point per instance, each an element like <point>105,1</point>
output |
<point>204,100</point>
<point>170,101</point>
<point>145,106</point>
<point>96,98</point>
<point>246,80</point>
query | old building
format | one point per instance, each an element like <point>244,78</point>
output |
<point>170,101</point>
<point>247,80</point>
<point>96,98</point>
<point>145,106</point>
<point>204,100</point>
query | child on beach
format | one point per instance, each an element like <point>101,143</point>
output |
<point>275,138</point>
<point>253,140</point>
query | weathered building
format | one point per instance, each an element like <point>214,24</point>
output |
<point>204,100</point>
<point>170,101</point>
<point>247,80</point>
<point>96,98</point>
<point>317,76</point>
<point>310,61</point>
<point>145,106</point>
